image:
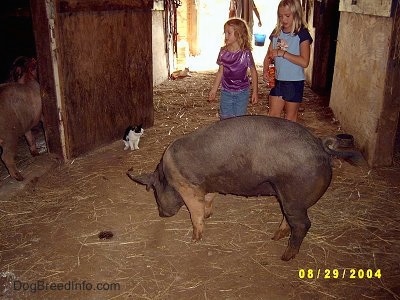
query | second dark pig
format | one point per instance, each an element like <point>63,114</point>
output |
<point>21,110</point>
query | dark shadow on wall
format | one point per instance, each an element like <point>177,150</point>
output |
<point>16,33</point>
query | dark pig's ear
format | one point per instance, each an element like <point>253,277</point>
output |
<point>145,179</point>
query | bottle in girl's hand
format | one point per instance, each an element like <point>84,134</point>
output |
<point>271,74</point>
<point>271,67</point>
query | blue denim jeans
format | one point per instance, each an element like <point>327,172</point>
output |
<point>233,103</point>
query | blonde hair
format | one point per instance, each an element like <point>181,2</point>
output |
<point>298,18</point>
<point>241,31</point>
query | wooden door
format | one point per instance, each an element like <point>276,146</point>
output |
<point>96,62</point>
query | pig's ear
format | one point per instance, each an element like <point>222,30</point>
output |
<point>145,179</point>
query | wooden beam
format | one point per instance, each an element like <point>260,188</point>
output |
<point>72,6</point>
<point>381,8</point>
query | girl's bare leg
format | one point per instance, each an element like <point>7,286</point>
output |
<point>276,105</point>
<point>292,109</point>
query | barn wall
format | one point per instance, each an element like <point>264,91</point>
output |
<point>362,79</point>
<point>160,56</point>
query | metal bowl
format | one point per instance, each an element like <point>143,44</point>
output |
<point>345,140</point>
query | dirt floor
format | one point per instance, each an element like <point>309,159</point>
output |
<point>51,248</point>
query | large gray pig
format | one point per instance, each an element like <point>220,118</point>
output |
<point>21,109</point>
<point>246,156</point>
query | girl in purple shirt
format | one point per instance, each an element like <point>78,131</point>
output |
<point>234,59</point>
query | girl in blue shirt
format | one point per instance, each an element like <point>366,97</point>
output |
<point>290,50</point>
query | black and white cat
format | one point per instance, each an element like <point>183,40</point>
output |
<point>132,137</point>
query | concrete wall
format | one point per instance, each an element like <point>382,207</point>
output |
<point>160,57</point>
<point>359,95</point>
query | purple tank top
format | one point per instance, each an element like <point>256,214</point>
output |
<point>235,64</point>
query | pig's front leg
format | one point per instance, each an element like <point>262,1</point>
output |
<point>194,200</point>
<point>208,204</point>
<point>31,142</point>
<point>9,145</point>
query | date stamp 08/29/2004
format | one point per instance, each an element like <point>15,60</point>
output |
<point>347,273</point>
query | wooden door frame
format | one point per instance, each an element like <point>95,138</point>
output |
<point>47,77</point>
<point>326,23</point>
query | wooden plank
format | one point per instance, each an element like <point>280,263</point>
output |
<point>72,6</point>
<point>381,8</point>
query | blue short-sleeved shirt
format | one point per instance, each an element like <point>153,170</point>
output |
<point>286,70</point>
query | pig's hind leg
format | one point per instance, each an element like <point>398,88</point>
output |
<point>32,143</point>
<point>294,215</point>
<point>299,223</point>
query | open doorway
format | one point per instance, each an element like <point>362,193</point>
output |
<point>208,22</point>
<point>17,40</point>
<point>326,17</point>
<point>16,34</point>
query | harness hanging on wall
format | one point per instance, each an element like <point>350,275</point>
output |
<point>171,27</point>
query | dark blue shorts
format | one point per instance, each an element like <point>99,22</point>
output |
<point>291,91</point>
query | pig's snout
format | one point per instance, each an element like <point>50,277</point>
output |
<point>165,214</point>
<point>168,211</point>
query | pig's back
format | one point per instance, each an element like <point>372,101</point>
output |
<point>249,150</point>
<point>21,105</point>
<point>250,137</point>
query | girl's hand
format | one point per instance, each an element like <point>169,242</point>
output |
<point>212,95</point>
<point>254,98</point>
<point>265,76</point>
<point>276,53</point>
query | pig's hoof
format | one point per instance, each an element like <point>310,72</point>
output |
<point>289,254</point>
<point>207,215</point>
<point>196,241</point>
<point>18,176</point>
<point>35,153</point>
<point>279,234</point>
<point>196,237</point>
